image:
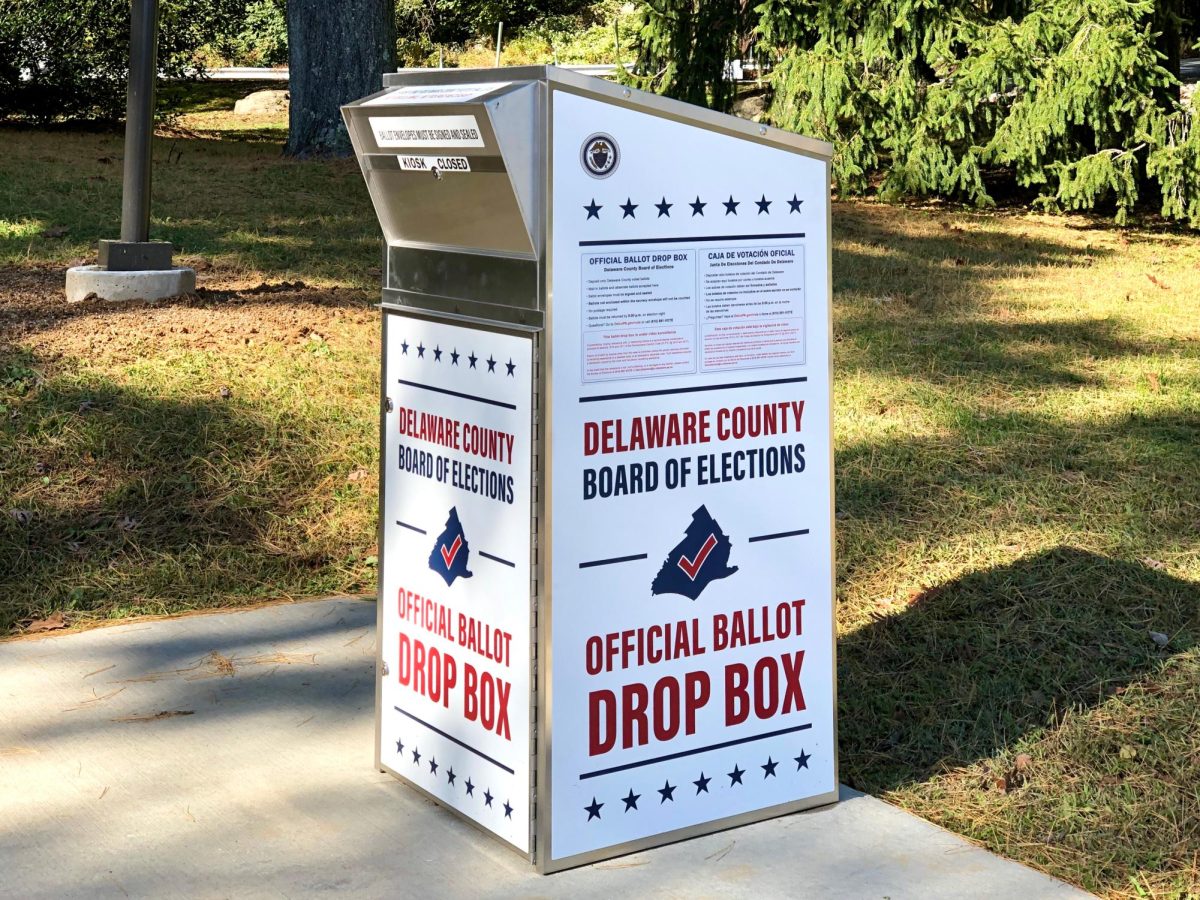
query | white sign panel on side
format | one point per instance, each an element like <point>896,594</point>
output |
<point>456,616</point>
<point>434,93</point>
<point>692,677</point>
<point>426,131</point>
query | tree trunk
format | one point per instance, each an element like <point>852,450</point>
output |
<point>337,52</point>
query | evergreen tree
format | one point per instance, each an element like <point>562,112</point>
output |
<point>1073,99</point>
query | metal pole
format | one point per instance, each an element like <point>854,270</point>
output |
<point>499,39</point>
<point>139,120</point>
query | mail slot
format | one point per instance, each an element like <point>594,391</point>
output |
<point>606,506</point>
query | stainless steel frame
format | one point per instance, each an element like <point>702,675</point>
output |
<point>537,320</point>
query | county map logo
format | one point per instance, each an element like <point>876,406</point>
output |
<point>450,551</point>
<point>698,560</point>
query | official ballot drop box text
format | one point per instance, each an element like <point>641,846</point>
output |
<point>606,567</point>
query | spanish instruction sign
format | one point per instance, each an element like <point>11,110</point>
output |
<point>692,678</point>
<point>456,566</point>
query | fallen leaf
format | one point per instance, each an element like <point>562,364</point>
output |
<point>358,475</point>
<point>52,622</point>
<point>1160,640</point>
<point>1153,563</point>
<point>1023,761</point>
<point>85,406</point>
<point>225,392</point>
<point>127,523</point>
<point>1001,784</point>
<point>1154,281</point>
<point>1155,384</point>
<point>21,516</point>
<point>1128,752</point>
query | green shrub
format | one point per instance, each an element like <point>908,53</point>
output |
<point>61,60</point>
<point>262,39</point>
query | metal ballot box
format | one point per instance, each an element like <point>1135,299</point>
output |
<point>606,511</point>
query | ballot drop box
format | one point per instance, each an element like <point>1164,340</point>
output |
<point>606,550</point>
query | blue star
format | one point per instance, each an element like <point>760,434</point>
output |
<point>472,359</point>
<point>420,351</point>
<point>416,755</point>
<point>794,204</point>
<point>511,366</point>
<point>593,209</point>
<point>769,768</point>
<point>404,347</point>
<point>702,784</point>
<point>735,777</point>
<point>764,205</point>
<point>631,800</point>
<point>470,788</point>
<point>802,760</point>
<point>454,356</point>
<point>664,208</point>
<point>399,745</point>
<point>450,776</point>
<point>731,205</point>
<point>627,209</point>
<point>487,798</point>
<point>433,764</point>
<point>697,207</point>
<point>507,810</point>
<point>437,354</point>
<point>668,793</point>
<point>593,811</point>
<point>491,364</point>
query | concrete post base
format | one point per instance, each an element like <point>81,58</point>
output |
<point>83,281</point>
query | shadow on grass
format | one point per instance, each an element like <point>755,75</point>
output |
<point>1136,472</point>
<point>151,503</point>
<point>980,661</point>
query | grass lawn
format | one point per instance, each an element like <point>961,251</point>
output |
<point>1018,452</point>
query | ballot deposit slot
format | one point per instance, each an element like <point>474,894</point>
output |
<point>606,507</point>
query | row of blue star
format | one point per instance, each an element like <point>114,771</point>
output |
<point>451,778</point>
<point>472,359</point>
<point>667,791</point>
<point>664,208</point>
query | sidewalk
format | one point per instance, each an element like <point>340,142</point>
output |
<point>230,755</point>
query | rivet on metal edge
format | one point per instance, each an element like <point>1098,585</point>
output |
<point>626,93</point>
<point>390,406</point>
<point>383,669</point>
<point>762,129</point>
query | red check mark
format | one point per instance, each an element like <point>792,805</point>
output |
<point>691,567</point>
<point>448,555</point>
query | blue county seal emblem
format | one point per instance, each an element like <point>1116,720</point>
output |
<point>450,551</point>
<point>698,560</point>
<point>599,155</point>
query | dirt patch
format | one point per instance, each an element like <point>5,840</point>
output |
<point>34,313</point>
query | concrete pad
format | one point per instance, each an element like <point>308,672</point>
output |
<point>107,284</point>
<point>231,755</point>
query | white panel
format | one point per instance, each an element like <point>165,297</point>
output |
<point>456,604</point>
<point>692,479</point>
